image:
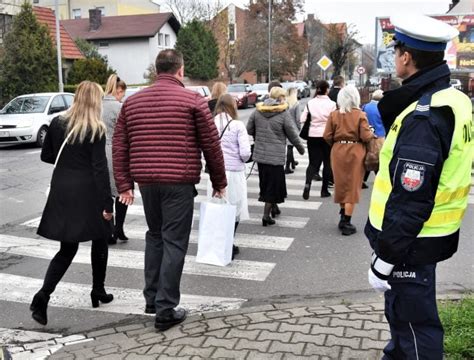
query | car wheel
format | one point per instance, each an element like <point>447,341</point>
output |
<point>41,135</point>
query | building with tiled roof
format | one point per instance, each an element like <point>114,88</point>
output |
<point>131,43</point>
<point>69,50</point>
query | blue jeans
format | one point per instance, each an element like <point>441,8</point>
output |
<point>410,309</point>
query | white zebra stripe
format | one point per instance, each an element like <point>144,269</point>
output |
<point>131,259</point>
<point>126,301</point>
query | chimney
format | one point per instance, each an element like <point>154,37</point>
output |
<point>95,19</point>
<point>310,17</point>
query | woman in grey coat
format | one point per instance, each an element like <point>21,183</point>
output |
<point>114,93</point>
<point>271,125</point>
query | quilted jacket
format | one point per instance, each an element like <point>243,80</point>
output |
<point>270,125</point>
<point>159,136</point>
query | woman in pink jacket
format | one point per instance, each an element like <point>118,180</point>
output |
<point>318,150</point>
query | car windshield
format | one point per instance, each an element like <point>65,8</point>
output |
<point>26,105</point>
<point>260,87</point>
<point>236,88</point>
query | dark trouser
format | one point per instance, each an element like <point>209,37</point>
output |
<point>410,309</point>
<point>120,213</point>
<point>290,158</point>
<point>61,261</point>
<point>318,152</point>
<point>169,214</point>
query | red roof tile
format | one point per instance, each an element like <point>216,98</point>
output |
<point>125,26</point>
<point>69,50</point>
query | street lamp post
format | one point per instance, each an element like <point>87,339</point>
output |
<point>269,40</point>
<point>58,48</point>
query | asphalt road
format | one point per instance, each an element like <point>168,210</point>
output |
<point>303,256</point>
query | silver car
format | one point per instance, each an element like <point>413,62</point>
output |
<point>26,118</point>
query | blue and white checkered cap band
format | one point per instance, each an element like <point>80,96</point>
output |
<point>419,44</point>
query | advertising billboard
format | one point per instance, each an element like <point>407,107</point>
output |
<point>459,52</point>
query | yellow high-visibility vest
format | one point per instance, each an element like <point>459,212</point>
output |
<point>455,180</point>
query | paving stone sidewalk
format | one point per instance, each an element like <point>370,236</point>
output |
<point>280,331</point>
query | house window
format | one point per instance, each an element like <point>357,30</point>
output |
<point>76,13</point>
<point>160,39</point>
<point>102,10</point>
<point>103,44</point>
<point>167,40</point>
<point>231,32</point>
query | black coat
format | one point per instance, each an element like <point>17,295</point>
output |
<point>80,188</point>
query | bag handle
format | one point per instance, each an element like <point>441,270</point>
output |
<point>61,148</point>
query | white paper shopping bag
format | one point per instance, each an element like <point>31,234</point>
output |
<point>216,232</point>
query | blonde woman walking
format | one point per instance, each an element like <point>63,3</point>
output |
<point>218,89</point>
<point>80,198</point>
<point>111,105</point>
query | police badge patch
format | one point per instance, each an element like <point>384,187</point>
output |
<point>412,176</point>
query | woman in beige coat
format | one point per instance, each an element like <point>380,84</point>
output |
<point>347,130</point>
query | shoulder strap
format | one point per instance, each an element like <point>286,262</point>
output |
<point>225,128</point>
<point>61,148</point>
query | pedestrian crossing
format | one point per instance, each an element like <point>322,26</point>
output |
<point>296,214</point>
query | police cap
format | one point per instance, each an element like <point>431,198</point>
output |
<point>422,32</point>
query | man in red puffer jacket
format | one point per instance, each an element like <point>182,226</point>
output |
<point>157,143</point>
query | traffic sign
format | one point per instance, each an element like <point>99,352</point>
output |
<point>324,63</point>
<point>360,70</point>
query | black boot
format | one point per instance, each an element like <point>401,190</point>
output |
<point>99,256</point>
<point>120,213</point>
<point>275,210</point>
<point>39,307</point>
<point>347,227</point>
<point>306,190</point>
<point>288,170</point>
<point>342,221</point>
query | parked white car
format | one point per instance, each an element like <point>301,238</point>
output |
<point>26,118</point>
<point>456,83</point>
<point>261,90</point>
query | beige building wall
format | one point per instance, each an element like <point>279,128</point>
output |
<point>69,9</point>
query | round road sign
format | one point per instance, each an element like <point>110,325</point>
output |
<point>360,70</point>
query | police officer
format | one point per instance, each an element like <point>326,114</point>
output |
<point>420,193</point>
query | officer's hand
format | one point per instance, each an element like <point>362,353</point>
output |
<point>377,283</point>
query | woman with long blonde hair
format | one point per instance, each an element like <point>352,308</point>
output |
<point>235,146</point>
<point>218,89</point>
<point>79,203</point>
<point>111,106</point>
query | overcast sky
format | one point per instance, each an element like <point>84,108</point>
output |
<point>363,13</point>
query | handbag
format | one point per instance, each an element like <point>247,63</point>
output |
<point>304,133</point>
<point>206,169</point>
<point>216,232</point>
<point>371,160</point>
<point>48,188</point>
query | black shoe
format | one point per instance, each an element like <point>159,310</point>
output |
<point>318,177</point>
<point>119,234</point>
<point>267,221</point>
<point>112,240</point>
<point>99,295</point>
<point>365,186</point>
<point>295,164</point>
<point>39,307</point>
<point>235,251</point>
<point>307,187</point>
<point>343,220</point>
<point>170,319</point>
<point>150,309</point>
<point>288,171</point>
<point>325,194</point>
<point>348,229</point>
<point>275,211</point>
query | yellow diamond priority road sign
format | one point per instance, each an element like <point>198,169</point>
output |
<point>325,62</point>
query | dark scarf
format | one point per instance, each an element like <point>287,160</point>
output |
<point>396,100</point>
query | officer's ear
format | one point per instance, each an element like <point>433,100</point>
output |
<point>405,56</point>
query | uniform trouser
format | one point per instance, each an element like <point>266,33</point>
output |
<point>169,214</point>
<point>410,309</point>
<point>290,158</point>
